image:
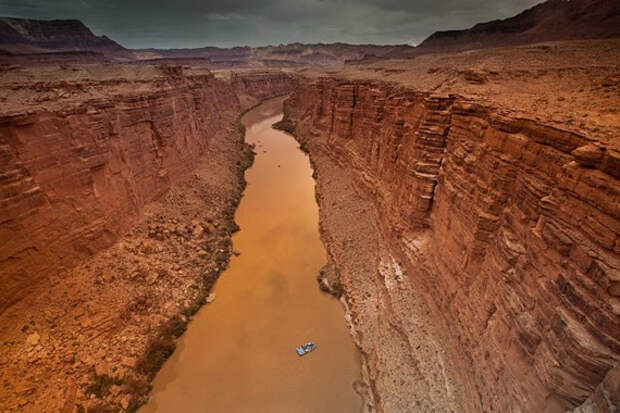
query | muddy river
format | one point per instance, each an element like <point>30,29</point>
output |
<point>238,354</point>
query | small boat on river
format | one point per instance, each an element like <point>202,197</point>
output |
<point>305,348</point>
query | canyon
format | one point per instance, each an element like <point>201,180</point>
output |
<point>468,197</point>
<point>106,142</point>
<point>266,301</point>
<point>459,211</point>
<point>83,161</point>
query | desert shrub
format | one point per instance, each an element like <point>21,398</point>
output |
<point>160,347</point>
<point>174,328</point>
<point>101,385</point>
<point>221,258</point>
<point>137,387</point>
<point>101,408</point>
<point>158,350</point>
<point>337,290</point>
<point>209,277</point>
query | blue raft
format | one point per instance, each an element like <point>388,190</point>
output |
<point>305,348</point>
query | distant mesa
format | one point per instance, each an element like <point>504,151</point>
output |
<point>553,20</point>
<point>24,40</point>
<point>24,36</point>
<point>53,41</point>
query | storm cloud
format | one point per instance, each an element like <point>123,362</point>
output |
<point>226,23</point>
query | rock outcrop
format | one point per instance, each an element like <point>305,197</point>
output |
<point>36,36</point>
<point>76,175</point>
<point>118,191</point>
<point>28,41</point>
<point>506,226</point>
<point>551,20</point>
<point>292,55</point>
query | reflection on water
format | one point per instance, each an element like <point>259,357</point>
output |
<point>238,354</point>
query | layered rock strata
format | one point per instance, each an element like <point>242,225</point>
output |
<point>117,216</point>
<point>75,178</point>
<point>507,229</point>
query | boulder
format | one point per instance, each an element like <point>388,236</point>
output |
<point>589,155</point>
<point>33,339</point>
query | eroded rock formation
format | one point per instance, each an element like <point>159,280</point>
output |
<point>100,271</point>
<point>40,36</point>
<point>75,178</point>
<point>28,41</point>
<point>508,228</point>
<point>469,209</point>
<point>551,20</point>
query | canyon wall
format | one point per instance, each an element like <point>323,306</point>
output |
<point>260,85</point>
<point>508,228</point>
<point>74,177</point>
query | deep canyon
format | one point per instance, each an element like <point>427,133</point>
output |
<point>266,301</point>
<point>97,276</point>
<point>468,204</point>
<point>496,221</point>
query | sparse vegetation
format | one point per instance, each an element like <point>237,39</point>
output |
<point>221,258</point>
<point>328,280</point>
<point>101,385</point>
<point>137,386</point>
<point>160,347</point>
<point>337,290</point>
<point>100,408</point>
<point>157,352</point>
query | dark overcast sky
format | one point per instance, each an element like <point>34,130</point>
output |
<point>195,23</point>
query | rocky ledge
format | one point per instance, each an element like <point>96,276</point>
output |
<point>477,249</point>
<point>118,195</point>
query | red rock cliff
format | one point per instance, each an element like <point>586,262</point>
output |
<point>74,176</point>
<point>509,227</point>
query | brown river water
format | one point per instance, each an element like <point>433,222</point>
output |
<point>238,354</point>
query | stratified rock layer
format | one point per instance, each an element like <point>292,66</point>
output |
<point>507,226</point>
<point>74,176</point>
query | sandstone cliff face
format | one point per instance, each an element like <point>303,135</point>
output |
<point>74,178</point>
<point>261,85</point>
<point>508,227</point>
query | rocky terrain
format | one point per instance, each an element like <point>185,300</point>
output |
<point>87,320</point>
<point>552,20</point>
<point>287,55</point>
<point>469,204</point>
<point>50,41</point>
<point>24,36</point>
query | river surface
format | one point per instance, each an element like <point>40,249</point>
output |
<point>238,354</point>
